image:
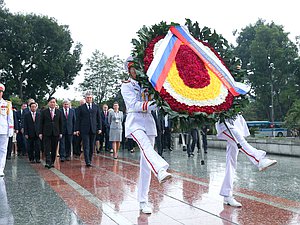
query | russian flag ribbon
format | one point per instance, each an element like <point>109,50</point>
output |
<point>166,53</point>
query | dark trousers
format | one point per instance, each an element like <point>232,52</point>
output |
<point>130,144</point>
<point>77,145</point>
<point>88,141</point>
<point>21,143</point>
<point>33,148</point>
<point>104,137</point>
<point>50,145</point>
<point>65,146</point>
<point>195,139</point>
<point>167,138</point>
<point>159,143</point>
<point>9,148</point>
<point>204,141</point>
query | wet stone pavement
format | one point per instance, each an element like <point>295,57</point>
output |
<point>106,193</point>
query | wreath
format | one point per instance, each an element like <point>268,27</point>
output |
<point>191,89</point>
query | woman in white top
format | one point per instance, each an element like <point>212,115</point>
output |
<point>115,119</point>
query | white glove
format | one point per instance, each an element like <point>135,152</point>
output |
<point>10,132</point>
<point>152,106</point>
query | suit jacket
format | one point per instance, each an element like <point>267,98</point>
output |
<point>112,120</point>
<point>88,121</point>
<point>20,117</point>
<point>159,121</point>
<point>16,123</point>
<point>69,123</point>
<point>104,120</point>
<point>49,127</point>
<point>31,128</point>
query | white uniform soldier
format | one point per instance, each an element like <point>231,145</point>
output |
<point>6,127</point>
<point>140,126</point>
<point>238,131</point>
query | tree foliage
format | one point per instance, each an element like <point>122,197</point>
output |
<point>103,76</point>
<point>35,55</point>
<point>270,58</point>
<point>292,119</point>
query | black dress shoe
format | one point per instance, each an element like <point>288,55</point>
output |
<point>62,160</point>
<point>47,166</point>
<point>38,161</point>
<point>88,165</point>
<point>68,159</point>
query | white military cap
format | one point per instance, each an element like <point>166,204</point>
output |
<point>2,87</point>
<point>129,62</point>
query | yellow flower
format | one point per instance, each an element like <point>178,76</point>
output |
<point>213,94</point>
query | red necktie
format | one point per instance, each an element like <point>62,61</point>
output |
<point>52,114</point>
<point>66,114</point>
<point>33,116</point>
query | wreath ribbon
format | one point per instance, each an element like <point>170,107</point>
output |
<point>160,66</point>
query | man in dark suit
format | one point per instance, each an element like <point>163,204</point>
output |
<point>104,137</point>
<point>77,140</point>
<point>21,141</point>
<point>167,143</point>
<point>31,132</point>
<point>88,123</point>
<point>51,124</point>
<point>159,121</point>
<point>68,131</point>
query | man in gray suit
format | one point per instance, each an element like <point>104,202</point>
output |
<point>69,120</point>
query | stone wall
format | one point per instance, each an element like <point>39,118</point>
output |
<point>281,146</point>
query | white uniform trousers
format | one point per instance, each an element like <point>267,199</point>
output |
<point>232,152</point>
<point>3,151</point>
<point>150,161</point>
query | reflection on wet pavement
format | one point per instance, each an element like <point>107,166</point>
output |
<point>107,192</point>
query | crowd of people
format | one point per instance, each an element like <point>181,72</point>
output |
<point>63,131</point>
<point>59,131</point>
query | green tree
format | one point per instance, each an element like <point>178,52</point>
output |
<point>103,76</point>
<point>36,55</point>
<point>271,60</point>
<point>292,120</point>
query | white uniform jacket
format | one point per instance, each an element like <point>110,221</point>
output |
<point>238,123</point>
<point>139,115</point>
<point>6,118</point>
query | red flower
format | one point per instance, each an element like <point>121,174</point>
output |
<point>193,73</point>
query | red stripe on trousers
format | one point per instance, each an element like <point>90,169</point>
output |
<point>136,140</point>
<point>242,148</point>
<point>143,106</point>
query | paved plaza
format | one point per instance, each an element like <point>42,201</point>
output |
<point>106,193</point>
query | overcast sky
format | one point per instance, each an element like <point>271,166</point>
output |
<point>110,25</point>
